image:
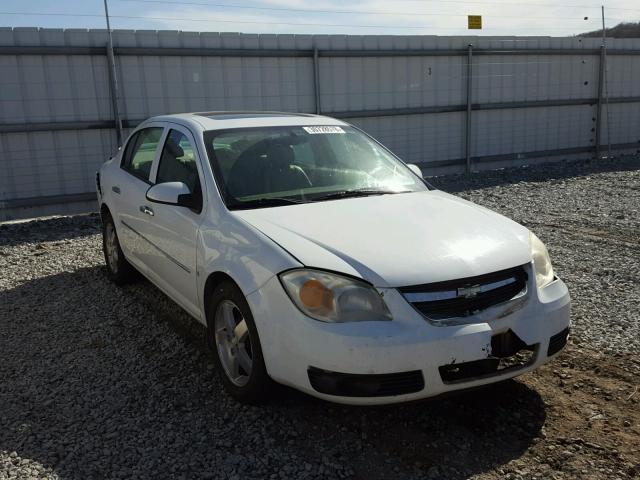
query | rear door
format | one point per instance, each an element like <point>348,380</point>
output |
<point>173,230</point>
<point>130,192</point>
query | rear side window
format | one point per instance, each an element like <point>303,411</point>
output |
<point>140,152</point>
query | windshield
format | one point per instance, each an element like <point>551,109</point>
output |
<point>260,167</point>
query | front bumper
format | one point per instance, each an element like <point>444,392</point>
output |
<point>293,344</point>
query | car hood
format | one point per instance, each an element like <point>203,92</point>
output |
<point>396,240</point>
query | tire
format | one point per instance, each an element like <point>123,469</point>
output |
<point>119,270</point>
<point>237,354</point>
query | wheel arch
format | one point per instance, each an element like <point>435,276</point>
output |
<point>104,210</point>
<point>213,280</point>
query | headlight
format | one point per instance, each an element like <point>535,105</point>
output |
<point>333,298</point>
<point>541,261</point>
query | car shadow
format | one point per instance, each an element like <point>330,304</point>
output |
<point>454,437</point>
<point>50,229</point>
<point>541,172</point>
<point>104,382</point>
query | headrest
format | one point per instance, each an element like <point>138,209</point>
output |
<point>280,155</point>
<point>174,149</point>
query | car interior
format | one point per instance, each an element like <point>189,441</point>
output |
<point>285,163</point>
<point>177,162</point>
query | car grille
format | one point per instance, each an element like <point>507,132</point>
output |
<point>466,296</point>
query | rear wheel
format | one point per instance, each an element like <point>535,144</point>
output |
<point>119,269</point>
<point>236,347</point>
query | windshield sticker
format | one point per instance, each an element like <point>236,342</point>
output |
<point>323,129</point>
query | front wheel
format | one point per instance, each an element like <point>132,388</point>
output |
<point>236,347</point>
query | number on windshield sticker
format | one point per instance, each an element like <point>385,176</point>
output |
<point>323,129</point>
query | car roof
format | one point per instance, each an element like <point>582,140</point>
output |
<point>221,120</point>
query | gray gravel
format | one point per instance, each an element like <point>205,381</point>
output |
<point>104,382</point>
<point>588,215</point>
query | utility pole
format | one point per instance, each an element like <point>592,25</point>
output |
<point>114,78</point>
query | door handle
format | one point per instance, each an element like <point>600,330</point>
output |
<point>147,210</point>
<point>115,190</point>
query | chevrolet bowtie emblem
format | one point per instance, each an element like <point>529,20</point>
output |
<point>469,291</point>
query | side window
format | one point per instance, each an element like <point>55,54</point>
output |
<point>126,156</point>
<point>140,152</point>
<point>178,162</point>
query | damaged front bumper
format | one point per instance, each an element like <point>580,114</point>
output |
<point>407,358</point>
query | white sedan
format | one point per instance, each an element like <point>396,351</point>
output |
<point>319,260</point>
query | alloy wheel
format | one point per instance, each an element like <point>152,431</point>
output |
<point>233,343</point>
<point>111,247</point>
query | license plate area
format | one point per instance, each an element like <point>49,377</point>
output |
<point>508,353</point>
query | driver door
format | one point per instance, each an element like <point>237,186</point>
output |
<point>173,230</point>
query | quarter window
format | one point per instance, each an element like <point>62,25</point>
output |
<point>141,151</point>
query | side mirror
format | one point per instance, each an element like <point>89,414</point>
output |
<point>171,193</point>
<point>415,169</point>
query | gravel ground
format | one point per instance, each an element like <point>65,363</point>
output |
<point>106,382</point>
<point>589,218</point>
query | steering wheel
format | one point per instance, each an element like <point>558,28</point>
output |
<point>301,173</point>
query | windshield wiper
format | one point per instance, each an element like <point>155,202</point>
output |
<point>280,201</point>
<point>363,192</point>
<point>264,202</point>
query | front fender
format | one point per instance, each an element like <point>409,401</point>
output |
<point>240,251</point>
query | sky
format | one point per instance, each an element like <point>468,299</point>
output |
<point>359,17</point>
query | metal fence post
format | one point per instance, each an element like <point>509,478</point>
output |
<point>599,104</point>
<point>113,79</point>
<point>113,88</point>
<point>606,83</point>
<point>468,118</point>
<point>316,79</point>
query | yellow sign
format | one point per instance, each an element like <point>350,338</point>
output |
<point>475,22</point>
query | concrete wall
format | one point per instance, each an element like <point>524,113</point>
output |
<point>378,92</point>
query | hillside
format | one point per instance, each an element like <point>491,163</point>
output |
<point>622,30</point>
